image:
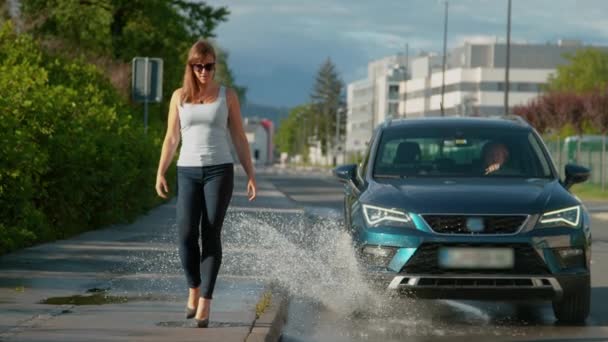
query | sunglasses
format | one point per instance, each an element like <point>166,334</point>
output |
<point>199,67</point>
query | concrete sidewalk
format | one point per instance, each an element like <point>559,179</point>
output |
<point>134,271</point>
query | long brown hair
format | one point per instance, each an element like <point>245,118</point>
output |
<point>197,54</point>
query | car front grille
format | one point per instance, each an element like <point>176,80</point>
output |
<point>493,224</point>
<point>426,261</point>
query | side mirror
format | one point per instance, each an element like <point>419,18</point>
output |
<point>575,174</point>
<point>346,173</point>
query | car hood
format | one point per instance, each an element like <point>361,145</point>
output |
<point>473,195</point>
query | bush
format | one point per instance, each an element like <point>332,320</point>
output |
<point>72,155</point>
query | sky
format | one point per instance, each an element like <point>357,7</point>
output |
<point>276,46</point>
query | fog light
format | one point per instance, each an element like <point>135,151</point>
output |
<point>378,251</point>
<point>571,258</point>
<point>570,252</point>
<point>377,256</point>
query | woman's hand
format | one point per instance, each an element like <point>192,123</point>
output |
<point>251,189</point>
<point>161,186</point>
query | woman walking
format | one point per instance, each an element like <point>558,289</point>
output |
<point>201,114</point>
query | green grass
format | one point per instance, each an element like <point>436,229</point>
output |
<point>263,304</point>
<point>590,192</point>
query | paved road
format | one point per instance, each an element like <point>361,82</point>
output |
<point>352,313</point>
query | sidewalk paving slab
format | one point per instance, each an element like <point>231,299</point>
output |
<point>137,260</point>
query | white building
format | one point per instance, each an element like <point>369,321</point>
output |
<point>371,100</point>
<point>474,84</point>
<point>259,134</point>
<point>475,78</point>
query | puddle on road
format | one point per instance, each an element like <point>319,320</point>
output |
<point>94,299</point>
<point>101,297</point>
<point>192,324</point>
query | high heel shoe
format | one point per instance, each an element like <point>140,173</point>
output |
<point>202,323</point>
<point>190,312</point>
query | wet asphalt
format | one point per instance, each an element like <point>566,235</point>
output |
<point>400,319</point>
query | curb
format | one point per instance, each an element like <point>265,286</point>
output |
<point>268,327</point>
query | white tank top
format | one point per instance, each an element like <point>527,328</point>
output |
<point>204,130</point>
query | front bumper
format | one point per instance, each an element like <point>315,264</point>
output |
<point>481,287</point>
<point>539,272</point>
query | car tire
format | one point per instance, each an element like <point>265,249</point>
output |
<point>574,306</point>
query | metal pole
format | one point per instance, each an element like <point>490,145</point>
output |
<point>602,160</point>
<point>337,141</point>
<point>373,106</point>
<point>508,61</point>
<point>407,72</point>
<point>445,37</point>
<point>146,93</point>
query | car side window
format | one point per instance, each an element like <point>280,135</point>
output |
<point>544,164</point>
<point>362,169</point>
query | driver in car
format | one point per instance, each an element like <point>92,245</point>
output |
<point>494,155</point>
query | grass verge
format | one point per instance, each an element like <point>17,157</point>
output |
<point>263,304</point>
<point>590,192</point>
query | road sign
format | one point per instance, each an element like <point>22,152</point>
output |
<point>147,82</point>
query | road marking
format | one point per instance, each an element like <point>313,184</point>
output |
<point>266,210</point>
<point>600,216</point>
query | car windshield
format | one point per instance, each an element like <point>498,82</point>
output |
<point>415,152</point>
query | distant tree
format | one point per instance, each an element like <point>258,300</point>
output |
<point>225,76</point>
<point>569,108</point>
<point>596,106</point>
<point>587,70</point>
<point>326,101</point>
<point>292,136</point>
<point>531,112</point>
<point>552,111</point>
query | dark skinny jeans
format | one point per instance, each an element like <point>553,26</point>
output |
<point>203,195</point>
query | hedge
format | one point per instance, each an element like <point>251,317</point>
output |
<point>72,155</point>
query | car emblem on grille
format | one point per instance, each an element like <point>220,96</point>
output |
<point>475,224</point>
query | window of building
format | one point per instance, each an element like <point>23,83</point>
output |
<point>393,109</point>
<point>393,91</point>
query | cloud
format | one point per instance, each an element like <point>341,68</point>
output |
<point>268,38</point>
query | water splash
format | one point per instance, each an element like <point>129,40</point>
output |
<point>309,257</point>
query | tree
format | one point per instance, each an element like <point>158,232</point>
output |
<point>531,112</point>
<point>326,100</point>
<point>569,109</point>
<point>292,132</point>
<point>587,70</point>
<point>110,33</point>
<point>224,75</point>
<point>596,106</point>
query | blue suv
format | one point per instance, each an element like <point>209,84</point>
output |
<point>469,208</point>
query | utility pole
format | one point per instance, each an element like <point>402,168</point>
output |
<point>373,106</point>
<point>407,71</point>
<point>445,38</point>
<point>507,63</point>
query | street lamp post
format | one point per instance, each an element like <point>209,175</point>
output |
<point>445,37</point>
<point>507,62</point>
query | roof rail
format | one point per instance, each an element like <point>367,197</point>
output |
<point>513,117</point>
<point>517,118</point>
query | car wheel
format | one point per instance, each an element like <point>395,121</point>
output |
<point>574,306</point>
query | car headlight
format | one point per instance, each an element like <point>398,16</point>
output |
<point>564,217</point>
<point>375,216</point>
